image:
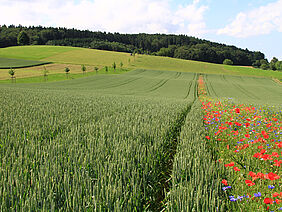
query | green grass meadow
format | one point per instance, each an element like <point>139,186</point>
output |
<point>32,52</point>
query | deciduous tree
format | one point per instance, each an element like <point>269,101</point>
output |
<point>45,73</point>
<point>67,70</point>
<point>272,63</point>
<point>96,69</point>
<point>12,73</point>
<point>23,38</point>
<point>83,69</point>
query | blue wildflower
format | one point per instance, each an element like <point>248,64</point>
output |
<point>240,198</point>
<point>257,194</point>
<point>271,186</point>
<point>232,199</point>
<point>225,188</point>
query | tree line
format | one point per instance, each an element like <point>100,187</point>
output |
<point>176,46</point>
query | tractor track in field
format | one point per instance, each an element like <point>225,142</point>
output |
<point>209,87</point>
<point>165,166</point>
<point>189,89</point>
<point>158,85</point>
<point>178,74</point>
<point>243,90</point>
<point>194,81</point>
<point>122,83</point>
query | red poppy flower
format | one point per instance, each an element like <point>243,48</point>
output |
<point>268,201</point>
<point>277,163</point>
<point>275,194</point>
<point>249,182</point>
<point>238,124</point>
<point>208,137</point>
<point>257,155</point>
<point>260,175</point>
<point>275,154</point>
<point>236,169</point>
<point>278,201</point>
<point>252,174</point>
<point>262,151</point>
<point>266,136</point>
<point>229,164</point>
<point>237,110</point>
<point>272,176</point>
<point>225,182</point>
<point>279,145</point>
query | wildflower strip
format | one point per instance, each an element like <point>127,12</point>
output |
<point>248,140</point>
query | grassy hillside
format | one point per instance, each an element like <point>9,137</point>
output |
<point>32,52</point>
<point>6,63</point>
<point>173,64</point>
<point>75,57</point>
<point>90,57</point>
<point>55,73</point>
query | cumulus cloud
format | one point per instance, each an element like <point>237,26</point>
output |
<point>259,21</point>
<point>151,16</point>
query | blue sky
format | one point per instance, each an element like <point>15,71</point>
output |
<point>221,13</point>
<point>252,24</point>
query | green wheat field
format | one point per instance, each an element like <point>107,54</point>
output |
<point>130,139</point>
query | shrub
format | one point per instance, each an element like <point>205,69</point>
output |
<point>228,62</point>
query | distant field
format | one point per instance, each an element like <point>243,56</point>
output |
<point>244,89</point>
<point>56,74</point>
<point>181,85</point>
<point>32,52</point>
<point>173,64</point>
<point>71,56</point>
<point>6,63</point>
<point>138,83</point>
<point>91,57</point>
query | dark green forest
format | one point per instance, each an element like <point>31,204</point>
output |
<point>177,46</point>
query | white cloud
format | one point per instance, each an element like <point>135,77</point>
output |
<point>259,21</point>
<point>151,16</point>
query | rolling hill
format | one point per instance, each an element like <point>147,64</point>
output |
<point>75,57</point>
